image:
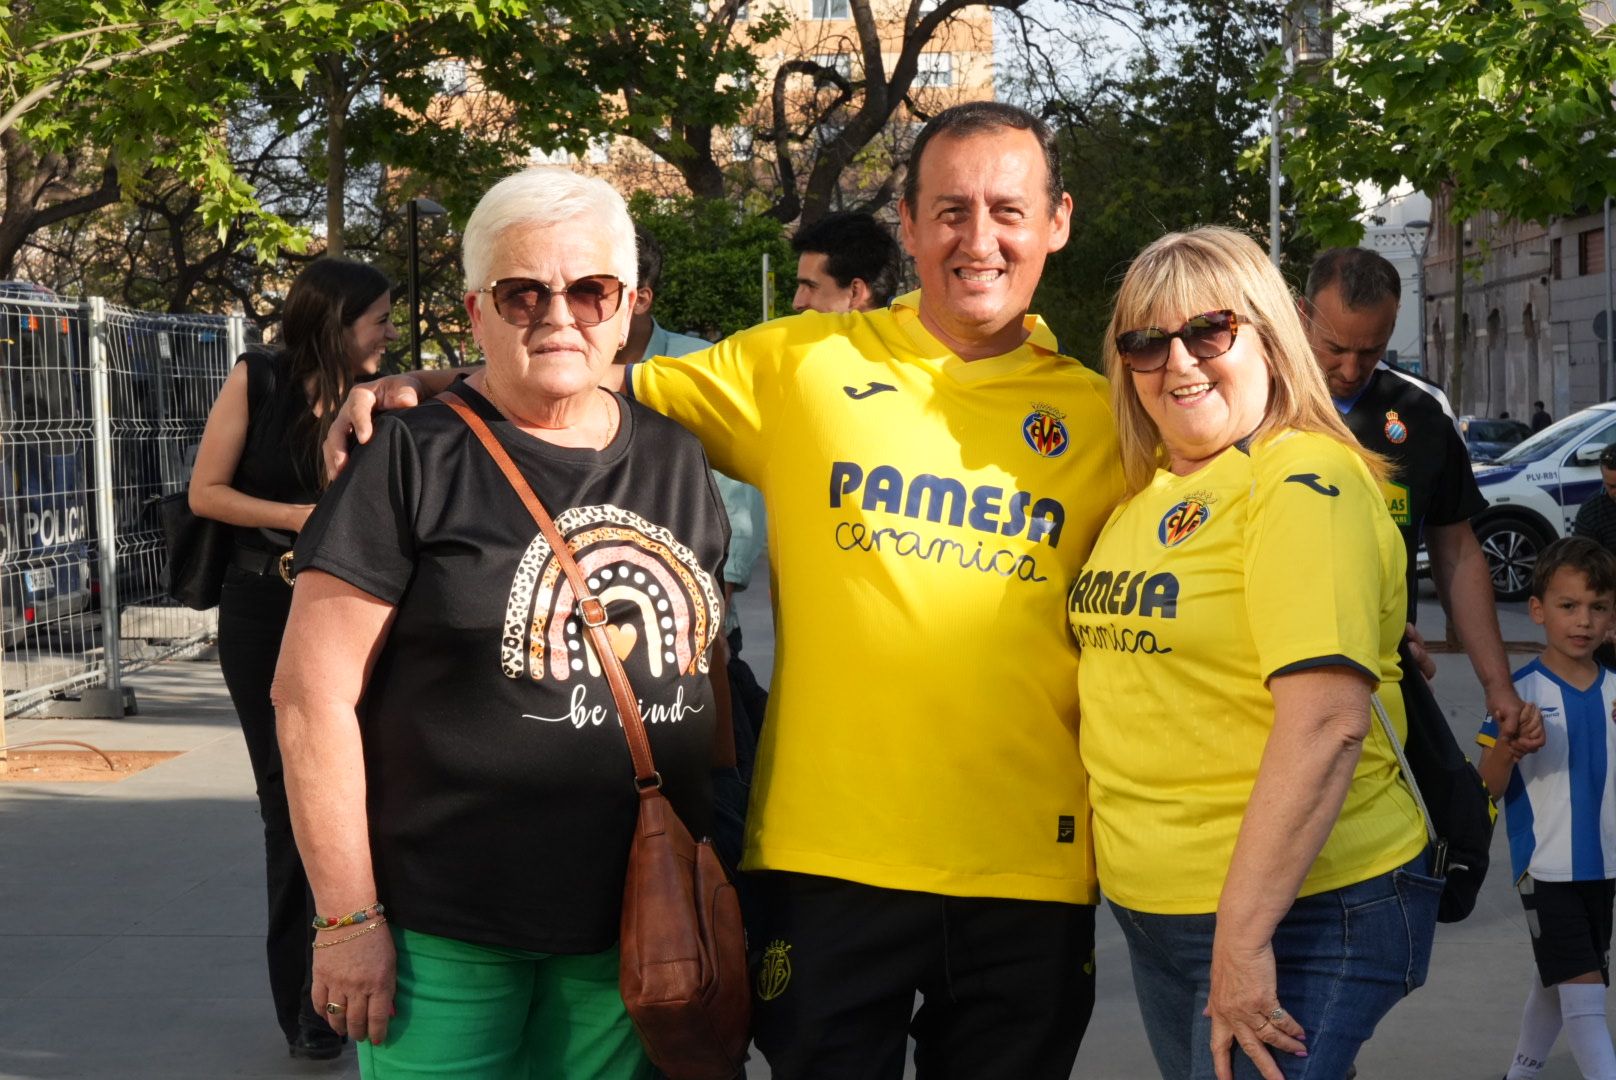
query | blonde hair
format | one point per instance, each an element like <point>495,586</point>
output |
<point>1211,268</point>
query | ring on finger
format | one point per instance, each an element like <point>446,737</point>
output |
<point>333,1008</point>
<point>1277,1014</point>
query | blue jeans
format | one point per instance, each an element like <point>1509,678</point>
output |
<point>1343,959</point>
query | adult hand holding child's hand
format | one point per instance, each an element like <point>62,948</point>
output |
<point>1529,735</point>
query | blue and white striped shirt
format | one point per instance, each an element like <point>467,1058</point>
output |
<point>1560,806</point>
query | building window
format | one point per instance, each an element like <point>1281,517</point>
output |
<point>1591,252</point>
<point>1554,258</point>
<point>935,69</point>
<point>451,75</point>
<point>830,9</point>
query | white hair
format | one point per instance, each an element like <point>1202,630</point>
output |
<point>542,196</point>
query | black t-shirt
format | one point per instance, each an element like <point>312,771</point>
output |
<point>1407,420</point>
<point>1597,521</point>
<point>501,793</point>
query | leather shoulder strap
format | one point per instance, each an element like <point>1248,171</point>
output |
<point>591,612</point>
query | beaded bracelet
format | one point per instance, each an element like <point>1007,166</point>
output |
<point>374,923</point>
<point>332,922</point>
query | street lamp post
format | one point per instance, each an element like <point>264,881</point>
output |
<point>1308,42</point>
<point>1421,229</point>
<point>1274,121</point>
<point>412,214</point>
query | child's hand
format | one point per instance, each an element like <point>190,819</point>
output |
<point>1529,737</point>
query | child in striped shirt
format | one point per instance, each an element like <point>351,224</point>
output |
<point>1560,808</point>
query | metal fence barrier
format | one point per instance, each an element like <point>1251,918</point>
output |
<point>101,412</point>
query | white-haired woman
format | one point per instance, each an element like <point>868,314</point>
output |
<point>1265,859</point>
<point>457,773</point>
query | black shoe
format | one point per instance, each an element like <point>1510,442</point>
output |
<point>316,1045</point>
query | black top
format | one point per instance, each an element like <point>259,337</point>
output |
<point>501,793</point>
<point>277,462</point>
<point>1597,521</point>
<point>1408,420</point>
<point>1540,420</point>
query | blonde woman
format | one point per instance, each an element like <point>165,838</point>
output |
<point>1263,855</point>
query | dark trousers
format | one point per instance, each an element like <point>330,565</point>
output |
<point>1007,985</point>
<point>252,617</point>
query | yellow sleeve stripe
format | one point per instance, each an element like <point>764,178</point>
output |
<point>1486,740</point>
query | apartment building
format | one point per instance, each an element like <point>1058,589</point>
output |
<point>1536,318</point>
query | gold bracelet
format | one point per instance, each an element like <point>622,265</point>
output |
<point>369,926</point>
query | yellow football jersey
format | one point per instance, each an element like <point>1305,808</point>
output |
<point>926,517</point>
<point>1199,589</point>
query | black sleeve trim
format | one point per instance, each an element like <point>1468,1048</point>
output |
<point>628,380</point>
<point>1333,660</point>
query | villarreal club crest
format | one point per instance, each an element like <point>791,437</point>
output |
<point>1045,430</point>
<point>1184,520</point>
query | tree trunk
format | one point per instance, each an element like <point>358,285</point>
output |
<point>31,180</point>
<point>703,177</point>
<point>13,233</point>
<point>336,152</point>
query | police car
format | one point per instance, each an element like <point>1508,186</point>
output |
<point>1534,491</point>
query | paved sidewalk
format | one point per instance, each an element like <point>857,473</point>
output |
<point>131,916</point>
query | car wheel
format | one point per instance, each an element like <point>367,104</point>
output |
<point>1511,547</point>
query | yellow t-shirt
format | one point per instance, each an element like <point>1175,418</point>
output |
<point>926,517</point>
<point>1200,589</point>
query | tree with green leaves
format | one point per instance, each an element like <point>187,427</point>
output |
<point>712,259</point>
<point>1484,105</point>
<point>151,84</point>
<point>1157,148</point>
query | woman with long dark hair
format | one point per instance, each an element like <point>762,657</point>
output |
<point>259,469</point>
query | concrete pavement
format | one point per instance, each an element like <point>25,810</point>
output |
<point>131,915</point>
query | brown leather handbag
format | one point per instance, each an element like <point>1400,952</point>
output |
<point>683,968</point>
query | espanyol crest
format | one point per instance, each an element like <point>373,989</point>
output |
<point>1396,430</point>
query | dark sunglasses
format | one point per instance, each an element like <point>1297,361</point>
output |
<point>1204,336</point>
<point>523,301</point>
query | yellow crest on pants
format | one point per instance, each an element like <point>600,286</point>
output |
<point>775,971</point>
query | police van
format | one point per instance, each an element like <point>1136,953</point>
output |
<point>45,578</point>
<point>1534,491</point>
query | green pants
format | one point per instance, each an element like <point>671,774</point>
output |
<point>482,1013</point>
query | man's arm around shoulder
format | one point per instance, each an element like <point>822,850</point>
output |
<point>402,391</point>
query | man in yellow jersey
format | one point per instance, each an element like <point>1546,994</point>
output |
<point>935,474</point>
